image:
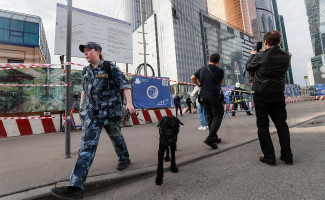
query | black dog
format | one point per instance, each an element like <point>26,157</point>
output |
<point>168,131</point>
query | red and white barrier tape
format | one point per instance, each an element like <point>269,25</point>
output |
<point>32,85</point>
<point>15,118</point>
<point>23,66</point>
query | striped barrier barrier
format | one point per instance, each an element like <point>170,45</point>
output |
<point>20,126</point>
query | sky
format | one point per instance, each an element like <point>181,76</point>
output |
<point>293,11</point>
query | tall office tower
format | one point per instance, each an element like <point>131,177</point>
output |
<point>179,42</point>
<point>284,45</point>
<point>265,16</point>
<point>239,13</point>
<point>316,18</point>
<point>279,25</point>
<point>179,37</point>
<point>232,45</point>
<point>129,10</point>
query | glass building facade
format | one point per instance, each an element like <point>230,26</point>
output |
<point>184,41</point>
<point>279,25</point>
<point>130,11</point>
<point>23,30</point>
<point>284,45</point>
<point>239,13</point>
<point>232,45</point>
<point>316,18</point>
<point>265,15</point>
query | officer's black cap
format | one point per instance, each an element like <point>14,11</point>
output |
<point>90,45</point>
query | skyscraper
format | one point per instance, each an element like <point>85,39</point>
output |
<point>239,13</point>
<point>284,45</point>
<point>186,36</point>
<point>279,26</point>
<point>316,18</point>
<point>130,11</point>
<point>265,15</point>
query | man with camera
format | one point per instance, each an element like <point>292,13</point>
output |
<point>269,68</point>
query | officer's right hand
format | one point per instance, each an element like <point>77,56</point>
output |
<point>130,108</point>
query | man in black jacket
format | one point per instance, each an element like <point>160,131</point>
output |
<point>177,103</point>
<point>269,68</point>
<point>210,79</point>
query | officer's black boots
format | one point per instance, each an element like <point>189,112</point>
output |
<point>67,192</point>
<point>123,165</point>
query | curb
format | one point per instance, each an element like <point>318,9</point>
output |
<point>99,181</point>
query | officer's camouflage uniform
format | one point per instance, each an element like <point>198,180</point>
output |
<point>101,107</point>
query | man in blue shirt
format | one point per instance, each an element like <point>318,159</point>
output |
<point>210,79</point>
<point>100,105</point>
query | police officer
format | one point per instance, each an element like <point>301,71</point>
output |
<point>100,106</point>
<point>237,98</point>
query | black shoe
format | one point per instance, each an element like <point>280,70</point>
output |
<point>248,113</point>
<point>233,114</point>
<point>211,144</point>
<point>267,161</point>
<point>217,140</point>
<point>67,192</point>
<point>123,165</point>
<point>288,162</point>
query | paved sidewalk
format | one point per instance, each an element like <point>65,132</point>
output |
<point>32,162</point>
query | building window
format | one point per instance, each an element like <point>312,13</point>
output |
<point>264,23</point>
<point>15,61</point>
<point>270,24</point>
<point>16,25</point>
<point>19,32</point>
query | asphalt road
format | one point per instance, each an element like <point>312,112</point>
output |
<point>238,174</point>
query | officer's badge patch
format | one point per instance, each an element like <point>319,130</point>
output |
<point>102,76</point>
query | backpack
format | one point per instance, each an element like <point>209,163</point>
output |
<point>107,67</point>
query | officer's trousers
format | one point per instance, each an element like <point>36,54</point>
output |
<point>89,143</point>
<point>242,105</point>
<point>277,111</point>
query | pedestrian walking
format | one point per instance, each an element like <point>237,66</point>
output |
<point>189,104</point>
<point>210,79</point>
<point>270,67</point>
<point>177,103</point>
<point>101,105</point>
<point>201,112</point>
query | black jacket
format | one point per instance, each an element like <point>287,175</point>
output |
<point>177,100</point>
<point>270,68</point>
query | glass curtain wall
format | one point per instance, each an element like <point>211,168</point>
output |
<point>224,40</point>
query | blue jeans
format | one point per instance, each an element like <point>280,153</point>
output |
<point>202,113</point>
